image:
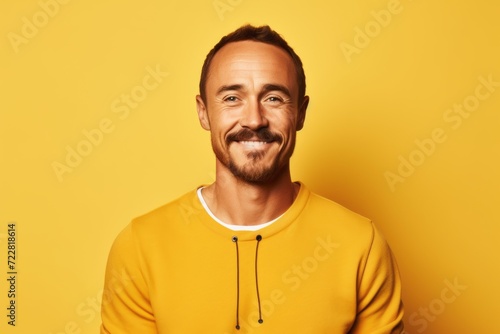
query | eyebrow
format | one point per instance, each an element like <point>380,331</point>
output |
<point>267,88</point>
<point>276,87</point>
<point>226,88</point>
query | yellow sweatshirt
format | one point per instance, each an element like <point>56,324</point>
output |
<point>319,268</point>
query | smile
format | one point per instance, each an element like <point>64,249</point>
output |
<point>252,143</point>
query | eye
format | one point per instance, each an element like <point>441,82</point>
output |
<point>274,99</point>
<point>231,98</point>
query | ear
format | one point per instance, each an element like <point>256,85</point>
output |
<point>302,113</point>
<point>202,113</point>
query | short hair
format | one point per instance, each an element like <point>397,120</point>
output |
<point>263,34</point>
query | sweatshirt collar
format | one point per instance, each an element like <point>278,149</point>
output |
<point>278,224</point>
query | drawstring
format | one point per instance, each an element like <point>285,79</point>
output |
<point>235,240</point>
<point>259,238</point>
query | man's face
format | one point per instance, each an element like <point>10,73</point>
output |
<point>252,109</point>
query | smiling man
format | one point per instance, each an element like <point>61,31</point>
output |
<point>253,252</point>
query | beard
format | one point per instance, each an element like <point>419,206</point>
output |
<point>254,170</point>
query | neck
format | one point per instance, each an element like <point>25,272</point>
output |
<point>241,203</point>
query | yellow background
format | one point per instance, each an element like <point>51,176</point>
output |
<point>368,108</point>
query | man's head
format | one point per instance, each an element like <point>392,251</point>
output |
<point>252,100</point>
<point>263,34</point>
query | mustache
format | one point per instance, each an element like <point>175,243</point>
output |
<point>263,134</point>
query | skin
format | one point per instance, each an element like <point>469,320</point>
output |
<point>251,87</point>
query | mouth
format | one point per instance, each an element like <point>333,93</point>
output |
<point>254,139</point>
<point>253,144</point>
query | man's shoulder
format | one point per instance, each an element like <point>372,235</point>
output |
<point>180,208</point>
<point>321,202</point>
<point>328,211</point>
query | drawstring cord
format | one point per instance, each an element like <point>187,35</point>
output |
<point>235,240</point>
<point>259,238</point>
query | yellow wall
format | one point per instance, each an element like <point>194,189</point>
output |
<point>384,136</point>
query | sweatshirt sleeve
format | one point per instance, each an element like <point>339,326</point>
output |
<point>380,309</point>
<point>126,306</point>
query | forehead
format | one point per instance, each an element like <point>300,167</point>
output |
<point>250,60</point>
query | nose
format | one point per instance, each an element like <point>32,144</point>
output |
<point>253,116</point>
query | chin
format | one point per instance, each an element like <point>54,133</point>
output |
<point>255,174</point>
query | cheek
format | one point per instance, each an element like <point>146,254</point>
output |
<point>219,133</point>
<point>290,136</point>
<point>286,127</point>
<point>223,126</point>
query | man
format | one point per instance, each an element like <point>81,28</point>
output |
<point>253,252</point>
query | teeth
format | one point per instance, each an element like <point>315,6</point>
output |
<point>253,142</point>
